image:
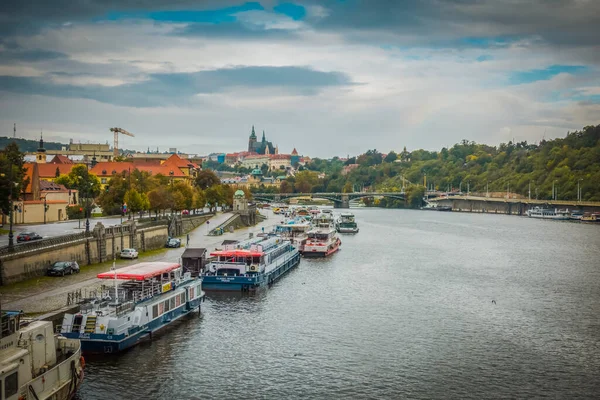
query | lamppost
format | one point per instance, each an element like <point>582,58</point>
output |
<point>45,208</point>
<point>11,242</point>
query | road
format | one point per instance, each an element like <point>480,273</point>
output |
<point>50,293</point>
<point>57,228</point>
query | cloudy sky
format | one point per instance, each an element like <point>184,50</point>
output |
<point>328,77</point>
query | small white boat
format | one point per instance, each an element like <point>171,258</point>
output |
<point>346,223</point>
<point>322,238</point>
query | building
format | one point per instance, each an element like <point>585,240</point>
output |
<point>255,161</point>
<point>176,168</point>
<point>281,162</point>
<point>42,200</point>
<point>262,147</point>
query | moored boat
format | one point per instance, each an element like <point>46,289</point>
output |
<point>35,363</point>
<point>322,238</point>
<point>250,265</point>
<point>590,218</point>
<point>154,295</point>
<point>346,223</point>
<point>294,230</point>
<point>546,213</point>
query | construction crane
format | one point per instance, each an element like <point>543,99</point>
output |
<point>116,145</point>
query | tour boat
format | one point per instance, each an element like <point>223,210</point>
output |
<point>294,230</point>
<point>322,238</point>
<point>250,265</point>
<point>154,295</point>
<point>346,223</point>
<point>545,213</point>
<point>35,363</point>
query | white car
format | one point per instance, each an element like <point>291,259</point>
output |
<point>129,253</point>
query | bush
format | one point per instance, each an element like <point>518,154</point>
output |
<point>75,212</point>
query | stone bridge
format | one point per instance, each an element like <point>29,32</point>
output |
<point>340,200</point>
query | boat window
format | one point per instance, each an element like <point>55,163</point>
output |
<point>11,385</point>
<point>167,304</point>
<point>172,302</point>
<point>182,296</point>
<point>155,311</point>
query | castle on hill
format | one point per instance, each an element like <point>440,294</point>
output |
<point>262,147</point>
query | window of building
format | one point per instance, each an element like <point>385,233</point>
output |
<point>103,181</point>
<point>11,385</point>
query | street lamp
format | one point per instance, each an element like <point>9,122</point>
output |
<point>45,208</point>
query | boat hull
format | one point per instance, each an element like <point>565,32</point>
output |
<point>347,230</point>
<point>248,284</point>
<point>326,252</point>
<point>92,343</point>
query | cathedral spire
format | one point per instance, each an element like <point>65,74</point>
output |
<point>253,134</point>
<point>263,138</point>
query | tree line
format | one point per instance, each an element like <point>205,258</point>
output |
<point>570,165</point>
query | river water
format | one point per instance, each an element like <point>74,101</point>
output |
<point>404,310</point>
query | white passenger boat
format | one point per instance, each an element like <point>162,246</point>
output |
<point>295,230</point>
<point>322,238</point>
<point>154,295</point>
<point>546,213</point>
<point>35,363</point>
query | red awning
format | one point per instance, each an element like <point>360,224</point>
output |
<point>141,271</point>
<point>237,253</point>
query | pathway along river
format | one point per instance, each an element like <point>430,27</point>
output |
<point>403,311</point>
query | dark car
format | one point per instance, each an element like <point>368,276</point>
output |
<point>62,268</point>
<point>27,236</point>
<point>173,242</point>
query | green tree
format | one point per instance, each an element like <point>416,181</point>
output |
<point>80,179</point>
<point>347,188</point>
<point>12,174</point>
<point>112,198</point>
<point>206,179</point>
<point>305,181</point>
<point>135,201</point>
<point>391,157</point>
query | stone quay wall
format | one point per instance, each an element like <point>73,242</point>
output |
<point>102,244</point>
<point>31,260</point>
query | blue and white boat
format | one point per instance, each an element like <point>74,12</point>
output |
<point>152,296</point>
<point>249,265</point>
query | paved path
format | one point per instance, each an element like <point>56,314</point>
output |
<point>50,293</point>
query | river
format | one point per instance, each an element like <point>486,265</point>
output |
<point>419,304</point>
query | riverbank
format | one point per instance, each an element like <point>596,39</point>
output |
<point>45,294</point>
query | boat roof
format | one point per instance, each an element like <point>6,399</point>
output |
<point>237,253</point>
<point>140,271</point>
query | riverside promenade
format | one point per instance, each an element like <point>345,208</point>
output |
<point>45,294</point>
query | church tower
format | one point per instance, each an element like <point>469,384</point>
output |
<point>40,157</point>
<point>252,140</point>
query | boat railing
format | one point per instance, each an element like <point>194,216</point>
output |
<point>146,293</point>
<point>124,308</point>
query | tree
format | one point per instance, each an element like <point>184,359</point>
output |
<point>57,172</point>
<point>12,174</point>
<point>391,157</point>
<point>347,188</point>
<point>286,187</point>
<point>414,195</point>
<point>159,199</point>
<point>213,197</point>
<point>135,201</point>
<point>111,199</point>
<point>206,179</point>
<point>183,196</point>
<point>79,178</point>
<point>305,180</point>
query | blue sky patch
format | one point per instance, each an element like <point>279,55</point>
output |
<point>202,16</point>
<point>484,57</point>
<point>293,11</point>
<point>522,77</point>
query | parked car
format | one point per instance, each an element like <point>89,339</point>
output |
<point>129,253</point>
<point>62,268</point>
<point>173,242</point>
<point>27,236</point>
<point>185,212</point>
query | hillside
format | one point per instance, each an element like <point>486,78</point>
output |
<point>563,163</point>
<point>28,146</point>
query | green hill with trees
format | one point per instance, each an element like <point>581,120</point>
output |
<point>515,167</point>
<point>28,145</point>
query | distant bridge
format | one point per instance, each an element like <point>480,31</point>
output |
<point>340,200</point>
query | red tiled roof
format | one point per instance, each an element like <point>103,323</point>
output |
<point>51,186</point>
<point>294,152</point>
<point>280,156</point>
<point>49,170</point>
<point>60,159</point>
<point>28,174</point>
<point>106,169</point>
